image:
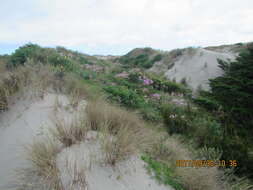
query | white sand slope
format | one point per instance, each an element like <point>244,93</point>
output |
<point>21,124</point>
<point>198,66</point>
<point>87,159</point>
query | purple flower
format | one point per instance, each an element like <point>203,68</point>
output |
<point>147,82</point>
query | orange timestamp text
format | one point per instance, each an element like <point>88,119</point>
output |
<point>206,163</point>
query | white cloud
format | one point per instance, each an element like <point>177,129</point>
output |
<point>163,24</point>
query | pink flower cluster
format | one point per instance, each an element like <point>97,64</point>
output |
<point>146,81</point>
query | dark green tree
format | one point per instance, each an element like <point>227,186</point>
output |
<point>234,90</point>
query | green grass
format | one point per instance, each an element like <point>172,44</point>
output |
<point>162,173</point>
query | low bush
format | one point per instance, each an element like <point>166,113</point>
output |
<point>124,96</point>
<point>176,119</point>
<point>192,123</point>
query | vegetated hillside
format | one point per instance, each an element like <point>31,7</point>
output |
<point>194,66</point>
<point>132,112</point>
<point>140,57</point>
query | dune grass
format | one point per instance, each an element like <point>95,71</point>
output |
<point>69,134</point>
<point>123,133</point>
<point>42,154</point>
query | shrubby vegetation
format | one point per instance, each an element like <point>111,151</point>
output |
<point>231,101</point>
<point>142,58</point>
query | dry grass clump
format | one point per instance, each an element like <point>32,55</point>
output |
<point>77,175</point>
<point>122,133</point>
<point>75,88</point>
<point>42,154</point>
<point>120,146</point>
<point>2,66</point>
<point>69,134</point>
<point>34,79</point>
<point>100,114</point>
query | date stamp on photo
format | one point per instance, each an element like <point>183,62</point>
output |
<point>206,163</point>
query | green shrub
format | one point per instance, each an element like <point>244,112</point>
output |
<point>157,58</point>
<point>134,77</point>
<point>175,119</point>
<point>206,131</point>
<point>29,51</point>
<point>125,96</point>
<point>150,113</point>
<point>207,103</point>
<point>58,60</point>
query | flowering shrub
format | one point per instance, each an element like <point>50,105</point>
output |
<point>147,81</point>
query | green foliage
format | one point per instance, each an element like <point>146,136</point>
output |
<point>134,77</point>
<point>234,90</point>
<point>29,51</point>
<point>195,124</point>
<point>150,113</point>
<point>125,96</point>
<point>207,103</point>
<point>58,60</point>
<point>206,131</point>
<point>167,86</point>
<point>175,118</point>
<point>162,173</point>
<point>157,58</point>
<point>230,102</point>
<point>142,61</point>
<point>84,61</point>
<point>40,55</point>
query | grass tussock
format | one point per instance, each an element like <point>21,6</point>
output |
<point>35,79</point>
<point>76,89</point>
<point>100,114</point>
<point>42,154</point>
<point>77,175</point>
<point>122,133</point>
<point>69,134</point>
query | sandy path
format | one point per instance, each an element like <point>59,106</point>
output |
<point>87,159</point>
<point>24,121</point>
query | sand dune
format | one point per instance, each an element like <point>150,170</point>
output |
<point>197,67</point>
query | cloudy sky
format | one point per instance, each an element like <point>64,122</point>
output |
<point>117,26</point>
